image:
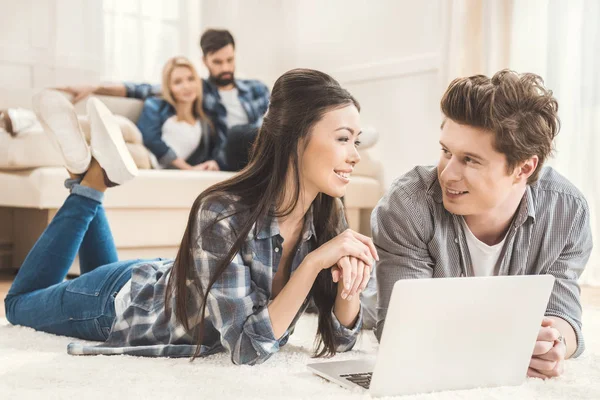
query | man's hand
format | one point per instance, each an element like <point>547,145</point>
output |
<point>548,354</point>
<point>210,165</point>
<point>78,92</point>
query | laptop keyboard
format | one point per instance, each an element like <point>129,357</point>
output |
<point>362,379</point>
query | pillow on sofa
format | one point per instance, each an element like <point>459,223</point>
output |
<point>130,131</point>
<point>33,148</point>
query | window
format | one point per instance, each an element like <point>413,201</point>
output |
<point>140,35</point>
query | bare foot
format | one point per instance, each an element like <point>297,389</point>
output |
<point>94,177</point>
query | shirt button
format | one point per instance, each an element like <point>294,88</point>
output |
<point>276,249</point>
<point>455,240</point>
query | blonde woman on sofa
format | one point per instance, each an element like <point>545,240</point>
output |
<point>257,248</point>
<point>175,129</point>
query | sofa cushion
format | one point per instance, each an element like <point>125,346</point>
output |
<point>363,192</point>
<point>43,188</point>
<point>131,133</point>
<point>158,189</point>
<point>29,150</point>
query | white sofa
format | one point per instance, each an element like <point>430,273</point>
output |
<point>147,215</point>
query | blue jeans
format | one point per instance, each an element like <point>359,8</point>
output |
<point>83,307</point>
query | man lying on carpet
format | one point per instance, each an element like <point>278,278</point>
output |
<point>256,249</point>
<point>490,209</point>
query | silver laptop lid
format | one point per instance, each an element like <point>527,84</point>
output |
<point>458,333</point>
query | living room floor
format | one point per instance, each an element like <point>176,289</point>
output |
<point>590,296</point>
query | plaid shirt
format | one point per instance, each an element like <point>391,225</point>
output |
<point>416,237</point>
<point>237,315</point>
<point>254,97</point>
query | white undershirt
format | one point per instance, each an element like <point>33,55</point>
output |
<point>483,257</point>
<point>183,138</point>
<point>236,115</point>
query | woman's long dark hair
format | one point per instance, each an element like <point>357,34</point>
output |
<point>300,98</point>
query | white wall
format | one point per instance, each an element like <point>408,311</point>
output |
<point>385,52</point>
<point>258,27</point>
<point>49,42</point>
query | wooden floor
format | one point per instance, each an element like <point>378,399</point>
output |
<point>590,296</point>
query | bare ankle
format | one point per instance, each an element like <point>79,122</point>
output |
<point>74,176</point>
<point>94,177</point>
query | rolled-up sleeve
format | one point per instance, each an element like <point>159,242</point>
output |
<point>564,301</point>
<point>236,305</point>
<point>141,90</point>
<point>345,338</point>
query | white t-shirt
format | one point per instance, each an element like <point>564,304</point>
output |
<point>483,257</point>
<point>236,115</point>
<point>180,136</point>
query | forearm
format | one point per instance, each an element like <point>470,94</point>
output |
<point>566,330</point>
<point>286,304</point>
<point>111,89</point>
<point>346,311</point>
<point>180,164</point>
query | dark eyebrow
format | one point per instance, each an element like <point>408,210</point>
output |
<point>472,155</point>
<point>348,129</point>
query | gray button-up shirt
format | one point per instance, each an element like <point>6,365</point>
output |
<point>416,237</point>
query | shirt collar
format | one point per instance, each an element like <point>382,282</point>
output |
<point>529,203</point>
<point>242,86</point>
<point>267,227</point>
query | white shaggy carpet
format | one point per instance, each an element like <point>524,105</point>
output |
<point>36,365</point>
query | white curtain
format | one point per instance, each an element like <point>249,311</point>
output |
<point>475,38</point>
<point>558,40</point>
<point>140,35</point>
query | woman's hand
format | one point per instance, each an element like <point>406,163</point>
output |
<point>354,272</point>
<point>346,244</point>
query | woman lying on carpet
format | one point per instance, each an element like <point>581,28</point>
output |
<point>175,129</point>
<point>257,248</point>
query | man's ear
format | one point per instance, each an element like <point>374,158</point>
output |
<point>527,168</point>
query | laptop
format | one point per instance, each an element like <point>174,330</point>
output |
<point>451,334</point>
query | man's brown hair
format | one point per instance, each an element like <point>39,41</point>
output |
<point>517,108</point>
<point>213,40</point>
